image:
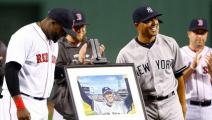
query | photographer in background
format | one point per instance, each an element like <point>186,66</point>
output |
<point>73,49</point>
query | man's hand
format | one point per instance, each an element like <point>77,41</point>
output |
<point>22,112</point>
<point>188,72</point>
<point>181,94</point>
<point>196,60</point>
<point>102,49</point>
<point>209,63</point>
<point>82,53</point>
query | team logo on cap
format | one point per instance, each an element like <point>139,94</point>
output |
<point>79,16</point>
<point>200,22</point>
<point>149,9</point>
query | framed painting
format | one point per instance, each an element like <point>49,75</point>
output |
<point>105,92</point>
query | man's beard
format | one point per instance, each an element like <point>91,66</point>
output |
<point>78,39</point>
<point>56,37</point>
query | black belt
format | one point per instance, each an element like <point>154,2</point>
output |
<point>37,98</point>
<point>151,97</point>
<point>201,103</point>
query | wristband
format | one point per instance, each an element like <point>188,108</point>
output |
<point>19,103</point>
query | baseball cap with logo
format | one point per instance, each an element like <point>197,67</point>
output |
<point>63,17</point>
<point>144,13</point>
<point>106,90</point>
<point>198,24</point>
<point>79,18</point>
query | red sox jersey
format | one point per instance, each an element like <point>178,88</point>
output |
<point>37,55</point>
<point>157,66</point>
<point>198,86</point>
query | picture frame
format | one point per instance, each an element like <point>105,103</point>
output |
<point>105,92</point>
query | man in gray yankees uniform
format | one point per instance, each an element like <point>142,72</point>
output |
<point>158,65</point>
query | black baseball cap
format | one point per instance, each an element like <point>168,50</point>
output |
<point>144,13</point>
<point>63,17</point>
<point>79,18</point>
<point>197,24</point>
<point>106,90</point>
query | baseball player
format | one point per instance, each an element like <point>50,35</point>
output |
<point>198,74</point>
<point>109,106</point>
<point>158,65</point>
<point>30,64</point>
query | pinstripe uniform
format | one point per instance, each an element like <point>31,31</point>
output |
<point>156,68</point>
<point>117,107</point>
<point>198,86</point>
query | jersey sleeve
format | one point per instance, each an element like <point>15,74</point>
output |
<point>183,51</point>
<point>178,65</point>
<point>18,48</point>
<point>120,58</point>
<point>85,98</point>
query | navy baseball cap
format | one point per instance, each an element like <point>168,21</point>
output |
<point>63,17</point>
<point>79,18</point>
<point>144,13</point>
<point>197,24</point>
<point>106,90</point>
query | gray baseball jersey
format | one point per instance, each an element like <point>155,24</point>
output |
<point>157,66</point>
<point>118,107</point>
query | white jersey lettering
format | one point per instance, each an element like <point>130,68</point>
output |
<point>164,64</point>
